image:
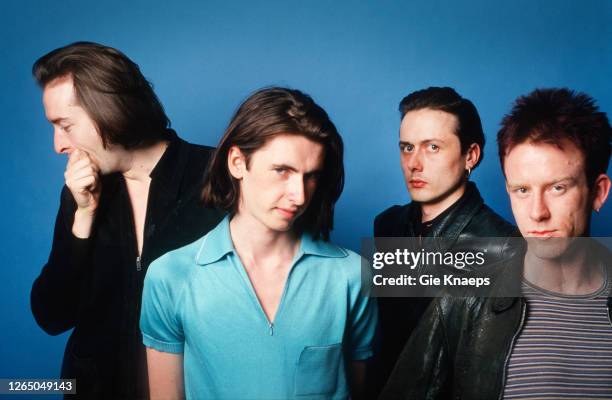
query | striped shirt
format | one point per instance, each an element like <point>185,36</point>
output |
<point>564,350</point>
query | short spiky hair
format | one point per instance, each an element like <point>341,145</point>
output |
<point>554,116</point>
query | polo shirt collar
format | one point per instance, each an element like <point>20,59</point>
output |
<point>218,243</point>
<point>320,248</point>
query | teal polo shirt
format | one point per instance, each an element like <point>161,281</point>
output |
<point>198,301</point>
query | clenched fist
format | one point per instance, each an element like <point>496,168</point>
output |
<point>83,179</point>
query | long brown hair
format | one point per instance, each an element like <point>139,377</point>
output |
<point>111,89</point>
<point>267,113</point>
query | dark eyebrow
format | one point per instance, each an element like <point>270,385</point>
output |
<point>293,169</point>
<point>567,179</point>
<point>426,141</point>
<point>285,166</point>
<point>514,185</point>
<point>58,120</point>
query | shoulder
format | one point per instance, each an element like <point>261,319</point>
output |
<point>176,265</point>
<point>351,263</point>
<point>333,258</point>
<point>194,161</point>
<point>353,271</point>
<point>386,221</point>
<point>490,224</point>
<point>351,267</point>
<point>391,213</point>
<point>197,152</point>
<point>196,157</point>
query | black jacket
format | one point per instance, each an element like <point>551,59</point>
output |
<point>466,221</point>
<point>94,285</point>
<point>461,347</point>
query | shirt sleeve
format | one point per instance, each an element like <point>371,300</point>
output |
<point>363,318</point>
<point>58,291</point>
<point>160,325</point>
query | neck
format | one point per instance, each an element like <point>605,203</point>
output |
<point>569,274</point>
<point>431,210</point>
<point>138,164</point>
<point>255,243</point>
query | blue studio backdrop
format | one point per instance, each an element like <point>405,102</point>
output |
<point>357,59</point>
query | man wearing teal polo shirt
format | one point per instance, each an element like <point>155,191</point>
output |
<point>264,306</point>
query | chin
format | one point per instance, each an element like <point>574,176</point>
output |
<point>280,225</point>
<point>420,196</point>
<point>549,248</point>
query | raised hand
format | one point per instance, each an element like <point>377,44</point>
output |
<point>83,180</point>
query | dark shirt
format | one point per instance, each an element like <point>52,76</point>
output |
<point>94,285</point>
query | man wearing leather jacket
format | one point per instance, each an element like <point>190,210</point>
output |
<point>543,329</point>
<point>441,142</point>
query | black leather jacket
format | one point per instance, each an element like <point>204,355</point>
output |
<point>468,220</point>
<point>470,217</point>
<point>461,347</point>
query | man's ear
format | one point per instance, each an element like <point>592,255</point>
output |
<point>601,189</point>
<point>472,156</point>
<point>236,162</point>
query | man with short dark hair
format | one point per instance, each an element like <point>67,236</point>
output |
<point>131,194</point>
<point>542,330</point>
<point>264,306</point>
<point>441,143</point>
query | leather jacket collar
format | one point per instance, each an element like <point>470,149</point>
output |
<point>451,225</point>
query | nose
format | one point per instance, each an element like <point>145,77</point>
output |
<point>539,209</point>
<point>414,161</point>
<point>297,190</point>
<point>61,143</point>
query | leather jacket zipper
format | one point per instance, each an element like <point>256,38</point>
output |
<point>518,331</point>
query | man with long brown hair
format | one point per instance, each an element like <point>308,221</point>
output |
<point>264,306</point>
<point>131,194</point>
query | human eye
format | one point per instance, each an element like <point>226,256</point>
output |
<point>281,171</point>
<point>559,189</point>
<point>406,148</point>
<point>313,176</point>
<point>66,128</point>
<point>433,147</point>
<point>521,191</point>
